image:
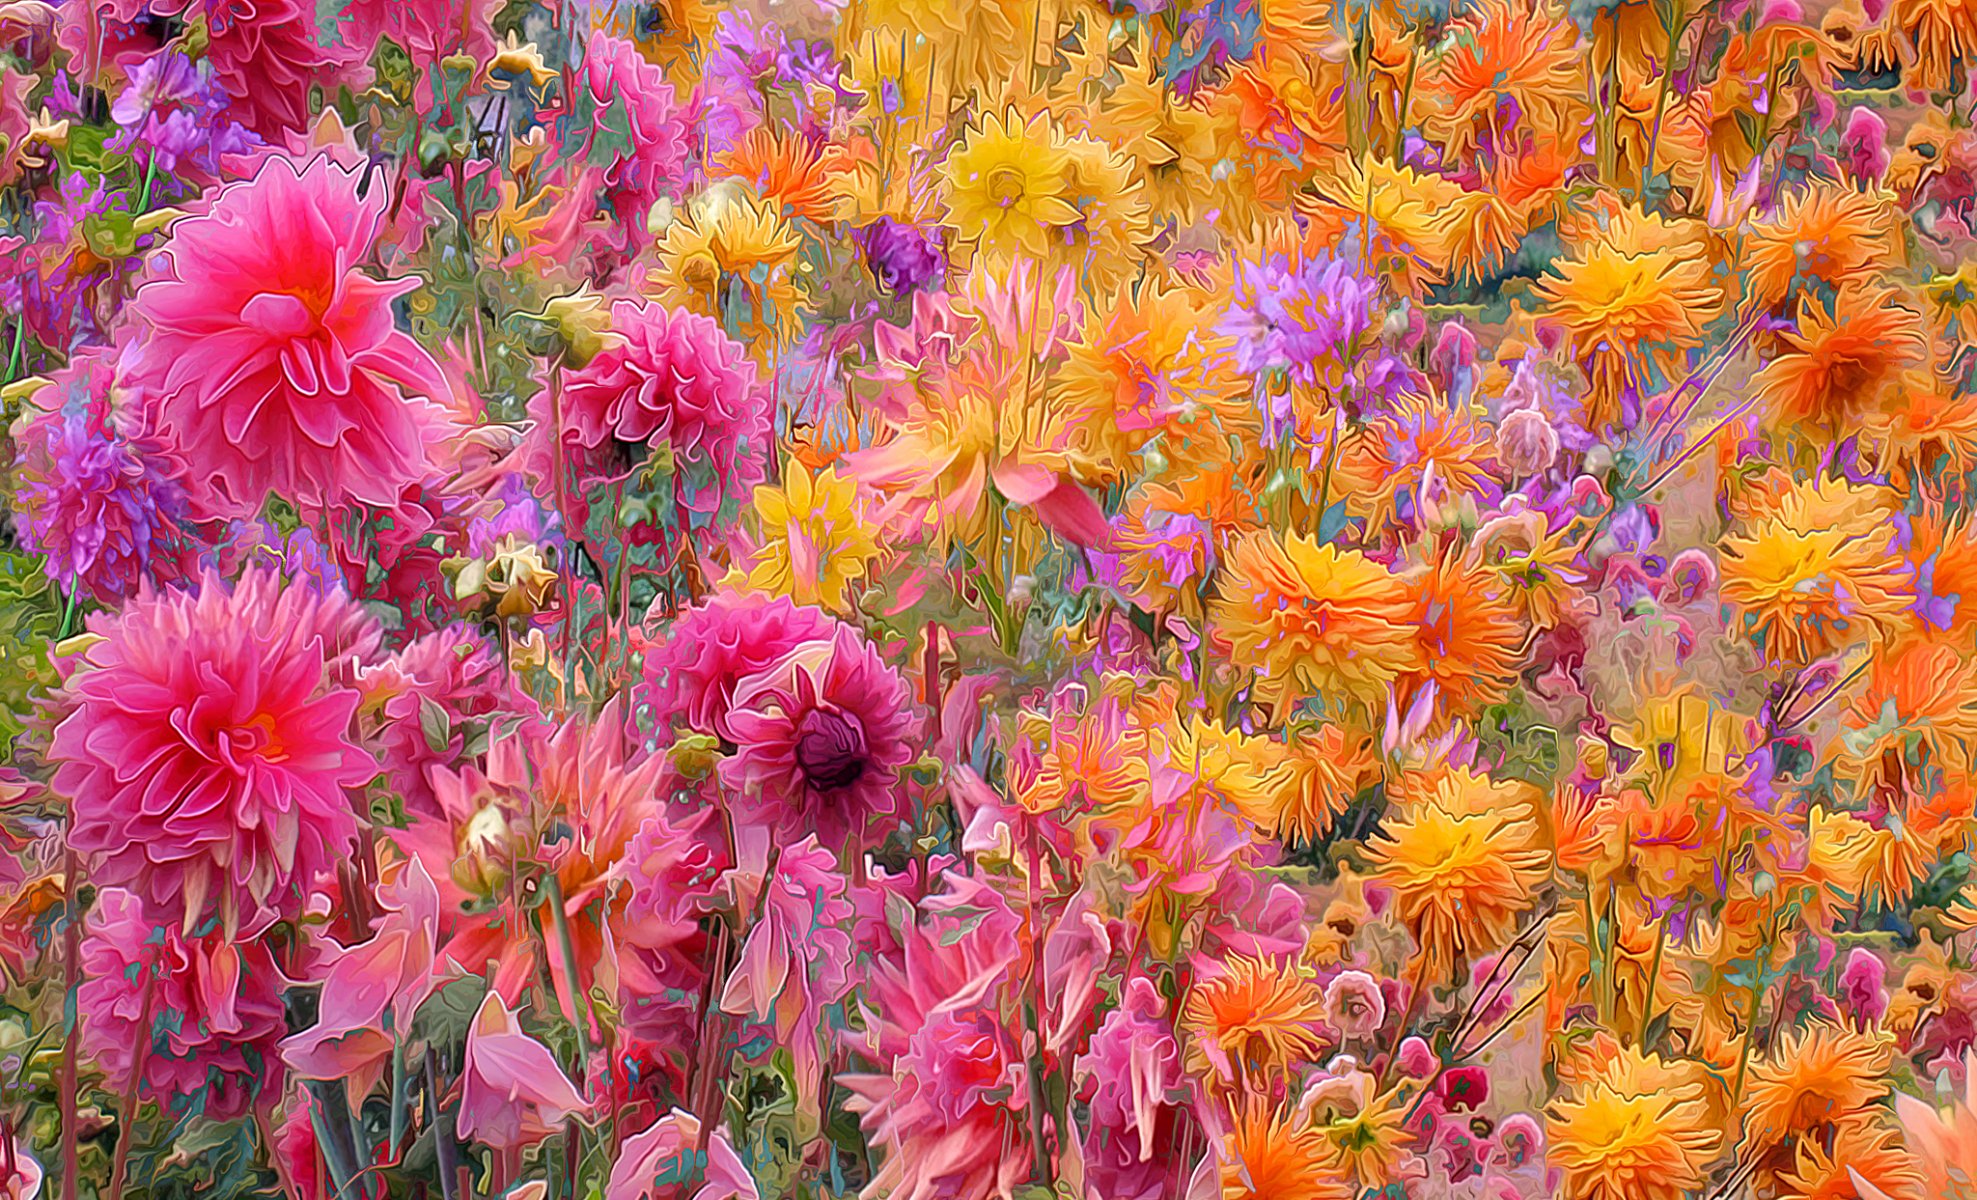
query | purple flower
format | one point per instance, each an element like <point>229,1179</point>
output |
<point>902,257</point>
<point>104,513</point>
<point>1316,321</point>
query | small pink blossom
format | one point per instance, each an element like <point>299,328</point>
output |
<point>512,1092</point>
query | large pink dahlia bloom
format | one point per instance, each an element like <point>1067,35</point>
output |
<point>822,733</point>
<point>271,361</point>
<point>200,1010</point>
<point>205,745</point>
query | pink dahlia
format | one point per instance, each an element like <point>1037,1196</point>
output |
<point>104,513</point>
<point>201,1012</point>
<point>655,162</point>
<point>714,645</point>
<point>271,361</point>
<point>205,744</point>
<point>427,30</point>
<point>265,54</point>
<point>949,1106</point>
<point>823,732</point>
<point>1129,1073</point>
<point>674,379</point>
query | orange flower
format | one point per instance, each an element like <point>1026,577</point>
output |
<point>1275,1156</point>
<point>1503,50</point>
<point>1313,620</point>
<point>1840,366</point>
<point>790,172</point>
<point>1470,638</point>
<point>1252,1015</point>
<point>1829,233</point>
<point>1827,1075</point>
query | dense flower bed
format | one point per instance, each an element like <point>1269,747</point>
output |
<point>949,599</point>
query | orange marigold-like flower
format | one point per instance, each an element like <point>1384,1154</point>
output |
<point>1811,578</point>
<point>1826,1075</point>
<point>1276,1156</point>
<point>1840,365</point>
<point>1626,1135</point>
<point>1253,1015</point>
<point>1463,858</point>
<point>1833,234</point>
<point>1498,50</point>
<point>1470,637</point>
<point>1314,620</point>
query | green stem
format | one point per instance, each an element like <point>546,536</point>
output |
<point>1678,20</point>
<point>579,1008</point>
<point>1654,973</point>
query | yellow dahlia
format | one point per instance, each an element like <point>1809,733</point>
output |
<point>1463,857</point>
<point>732,257</point>
<point>1813,578</point>
<point>1626,1135</point>
<point>1007,187</point>
<point>815,541</point>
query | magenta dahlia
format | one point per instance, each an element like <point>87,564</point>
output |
<point>674,379</point>
<point>269,360</point>
<point>201,1011</point>
<point>205,745</point>
<point>823,732</point>
<point>692,675</point>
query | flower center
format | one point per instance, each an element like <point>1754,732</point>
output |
<point>830,750</point>
<point>1005,186</point>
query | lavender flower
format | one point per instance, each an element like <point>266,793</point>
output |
<point>902,257</point>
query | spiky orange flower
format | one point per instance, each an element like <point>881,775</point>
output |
<point>1254,1016</point>
<point>1498,50</point>
<point>1824,1076</point>
<point>1867,1149</point>
<point>1426,450</point>
<point>1314,620</point>
<point>1829,233</point>
<point>1627,1135</point>
<point>789,171</point>
<point>1629,308</point>
<point>1470,637</point>
<point>1463,858</point>
<point>1944,35</point>
<point>1328,768</point>
<point>1840,365</point>
<point>1276,1156</point>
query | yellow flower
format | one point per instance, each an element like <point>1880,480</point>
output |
<point>1629,308</point>
<point>1328,769</point>
<point>1817,574</point>
<point>1628,1135</point>
<point>1007,186</point>
<point>1462,857</point>
<point>732,257</point>
<point>1172,144</point>
<point>815,542</point>
<point>1313,620</point>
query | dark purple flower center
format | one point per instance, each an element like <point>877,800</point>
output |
<point>830,749</point>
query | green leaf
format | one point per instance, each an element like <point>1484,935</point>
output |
<point>436,725</point>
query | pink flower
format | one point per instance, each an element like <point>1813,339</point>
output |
<point>203,1013</point>
<point>797,959</point>
<point>823,733</point>
<point>656,160</point>
<point>1864,146</point>
<point>674,379</point>
<point>1864,986</point>
<point>20,1174</point>
<point>654,1163</point>
<point>949,1110</point>
<point>206,746</point>
<point>714,645</point>
<point>265,55</point>
<point>430,700</point>
<point>271,362</point>
<point>1131,1071</point>
<point>1354,1005</point>
<point>512,1092</point>
<point>427,30</point>
<point>672,870</point>
<point>371,991</point>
